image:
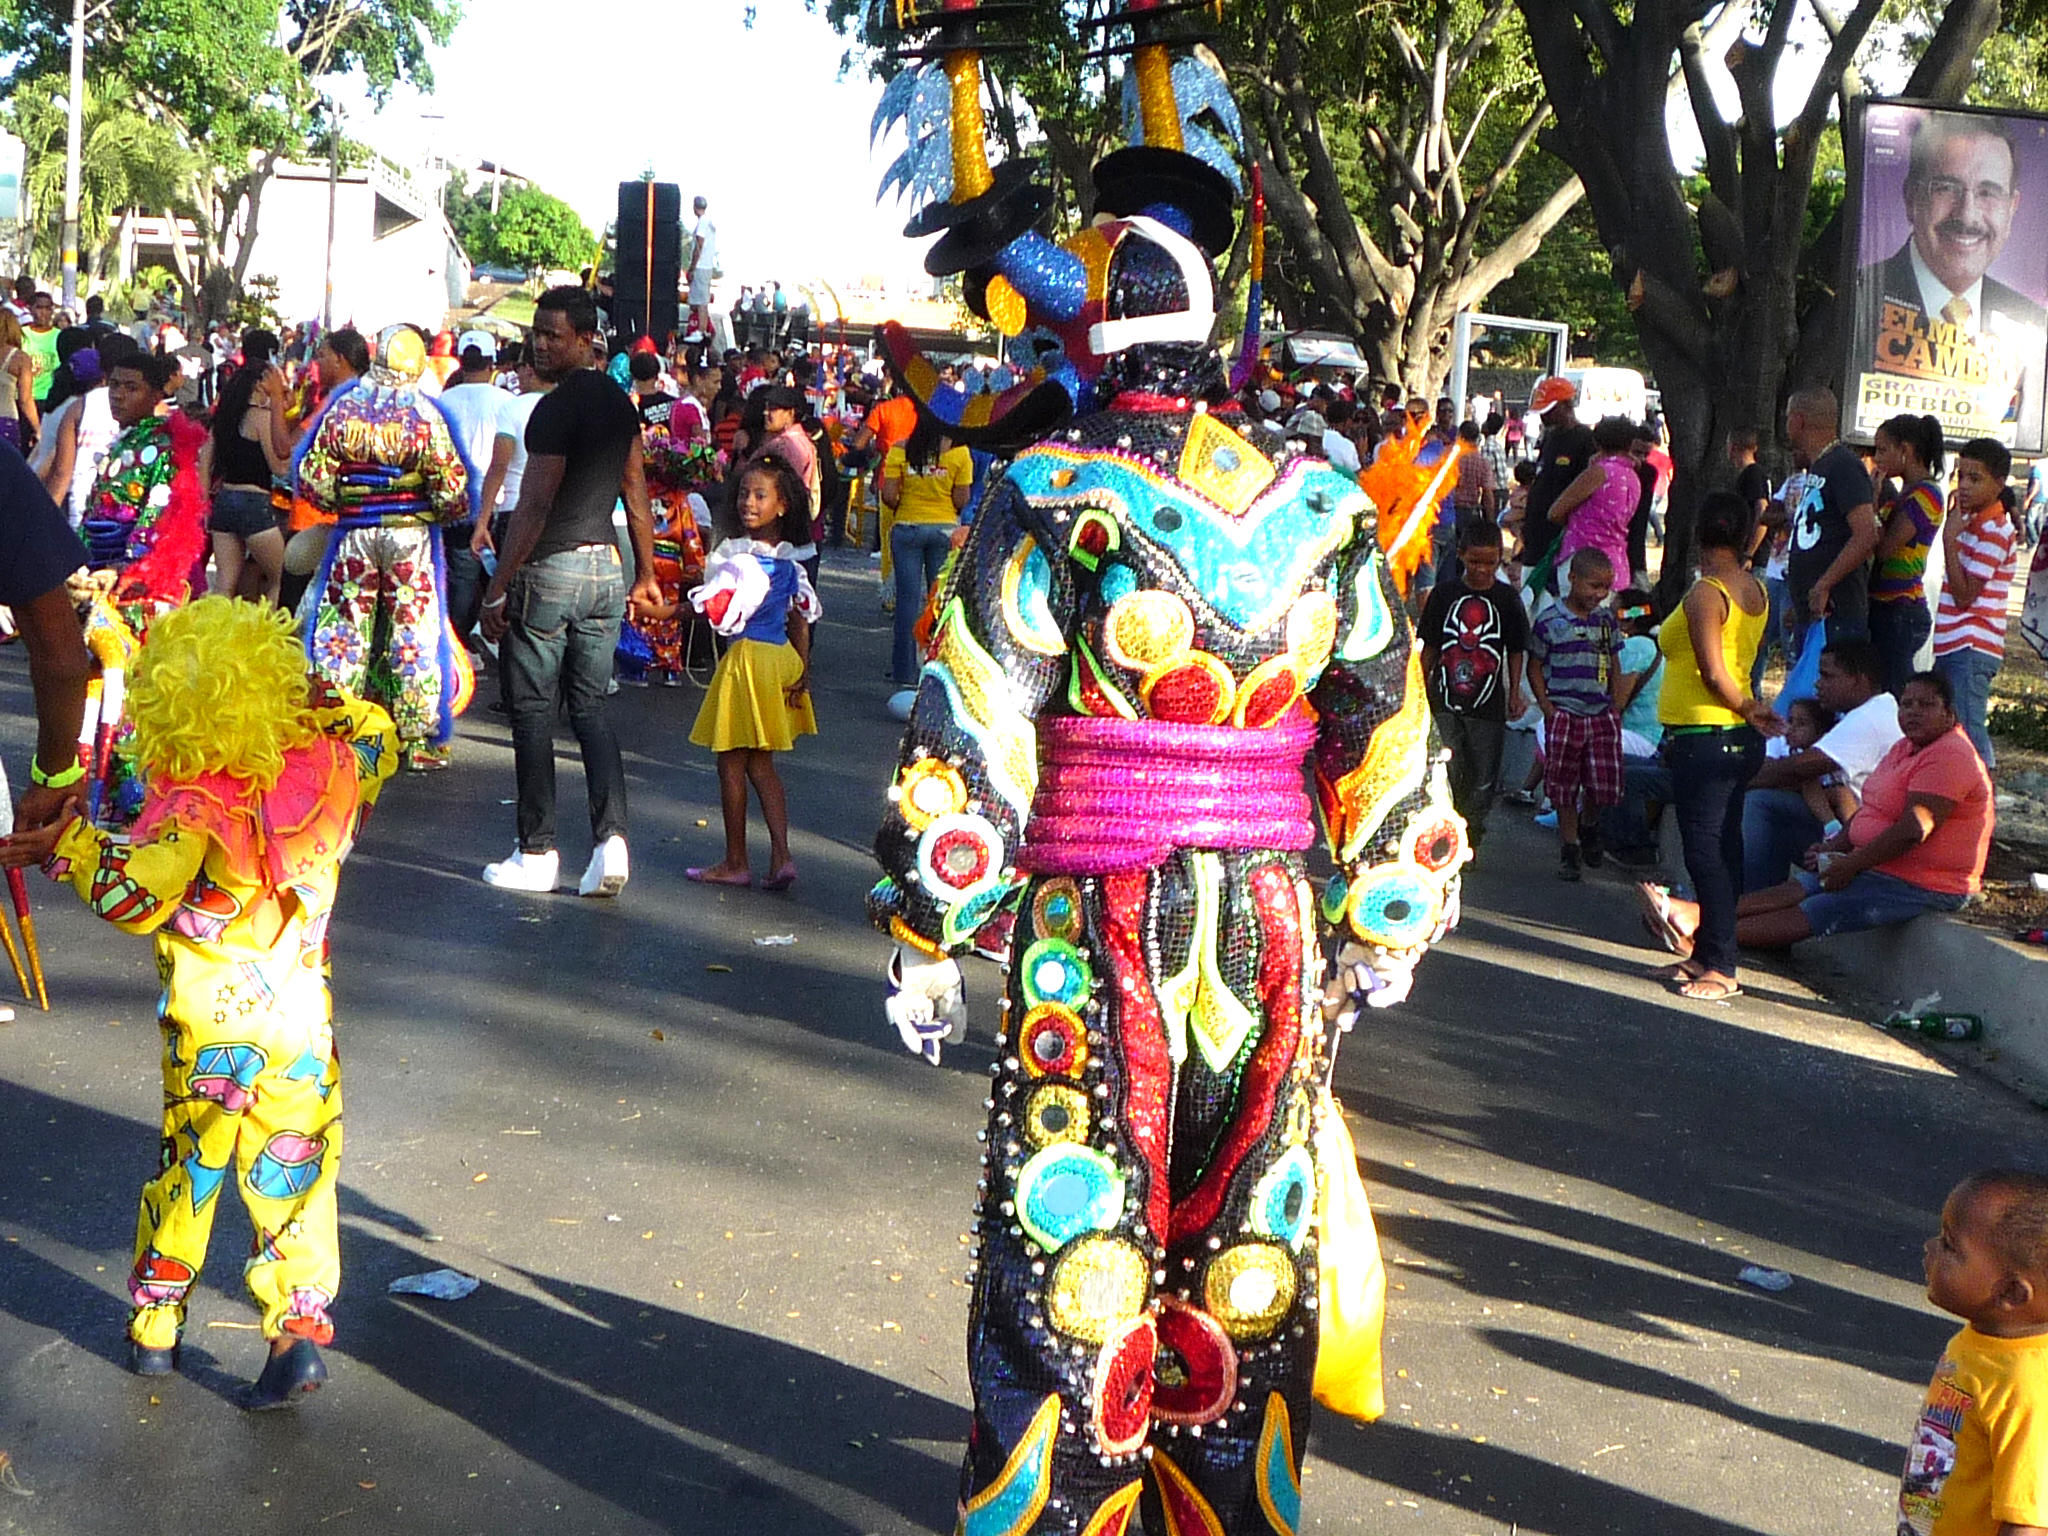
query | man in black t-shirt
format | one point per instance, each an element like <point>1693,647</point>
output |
<point>1566,450</point>
<point>1475,642</point>
<point>1834,527</point>
<point>558,597</point>
<point>37,552</point>
<point>1751,483</point>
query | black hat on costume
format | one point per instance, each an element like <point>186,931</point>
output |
<point>1143,176</point>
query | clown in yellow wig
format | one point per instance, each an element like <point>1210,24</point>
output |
<point>257,777</point>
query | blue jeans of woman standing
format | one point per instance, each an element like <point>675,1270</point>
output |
<point>918,550</point>
<point>1969,673</point>
<point>1898,628</point>
<point>1708,771</point>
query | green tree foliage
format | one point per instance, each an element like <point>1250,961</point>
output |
<point>237,82</point>
<point>127,159</point>
<point>1398,147</point>
<point>532,230</point>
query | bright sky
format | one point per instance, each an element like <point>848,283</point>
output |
<point>771,134</point>
<point>775,138</point>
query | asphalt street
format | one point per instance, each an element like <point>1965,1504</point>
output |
<point>717,1212</point>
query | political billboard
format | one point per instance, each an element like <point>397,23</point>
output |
<point>1946,280</point>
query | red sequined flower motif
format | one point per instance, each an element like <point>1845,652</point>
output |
<point>1123,1387</point>
<point>1195,1373</point>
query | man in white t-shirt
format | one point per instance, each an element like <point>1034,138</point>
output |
<point>1338,447</point>
<point>515,410</point>
<point>702,266</point>
<point>475,408</point>
<point>1777,826</point>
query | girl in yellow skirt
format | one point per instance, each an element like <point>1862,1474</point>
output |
<point>758,597</point>
<point>257,778</point>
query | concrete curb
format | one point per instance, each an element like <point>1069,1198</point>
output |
<point>1962,969</point>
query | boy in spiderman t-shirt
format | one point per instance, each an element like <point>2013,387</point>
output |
<point>1475,641</point>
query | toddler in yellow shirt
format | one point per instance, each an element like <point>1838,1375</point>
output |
<point>1978,1461</point>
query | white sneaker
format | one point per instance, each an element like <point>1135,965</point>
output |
<point>525,871</point>
<point>606,875</point>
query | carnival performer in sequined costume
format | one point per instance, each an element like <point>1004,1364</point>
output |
<point>678,475</point>
<point>257,778</point>
<point>382,458</point>
<point>1154,627</point>
<point>144,523</point>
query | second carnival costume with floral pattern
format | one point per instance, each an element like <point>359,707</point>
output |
<point>1161,617</point>
<point>381,456</point>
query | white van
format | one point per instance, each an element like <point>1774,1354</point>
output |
<point>1609,392</point>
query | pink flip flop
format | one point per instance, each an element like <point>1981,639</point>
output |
<point>701,875</point>
<point>783,878</point>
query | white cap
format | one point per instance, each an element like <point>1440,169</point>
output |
<point>483,341</point>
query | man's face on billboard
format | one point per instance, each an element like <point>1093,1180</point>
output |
<point>1962,208</point>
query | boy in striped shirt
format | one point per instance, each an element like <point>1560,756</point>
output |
<point>1574,659</point>
<point>1978,550</point>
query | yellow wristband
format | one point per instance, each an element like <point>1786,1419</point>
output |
<point>63,779</point>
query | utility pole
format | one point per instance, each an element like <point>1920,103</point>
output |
<point>333,195</point>
<point>74,126</point>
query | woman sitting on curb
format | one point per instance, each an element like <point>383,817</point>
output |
<point>1917,845</point>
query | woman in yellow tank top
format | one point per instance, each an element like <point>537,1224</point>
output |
<point>1713,744</point>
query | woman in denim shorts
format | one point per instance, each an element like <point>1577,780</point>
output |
<point>250,443</point>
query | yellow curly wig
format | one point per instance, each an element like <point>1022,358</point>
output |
<point>220,686</point>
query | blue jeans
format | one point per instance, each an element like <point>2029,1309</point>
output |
<point>562,616</point>
<point>1708,771</point>
<point>1969,673</point>
<point>1777,829</point>
<point>1898,630</point>
<point>918,550</point>
<point>466,580</point>
<point>1627,827</point>
<point>1872,900</point>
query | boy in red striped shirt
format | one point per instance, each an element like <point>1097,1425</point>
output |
<point>1978,548</point>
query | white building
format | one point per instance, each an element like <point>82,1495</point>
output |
<point>394,256</point>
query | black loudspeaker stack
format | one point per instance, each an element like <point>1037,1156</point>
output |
<point>649,262</point>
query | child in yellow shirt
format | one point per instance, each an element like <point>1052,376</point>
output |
<point>1978,1461</point>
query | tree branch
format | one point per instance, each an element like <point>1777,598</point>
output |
<point>1675,315</point>
<point>1842,51</point>
<point>1601,29</point>
<point>1944,70</point>
<point>1489,23</point>
<point>1498,264</point>
<point>1512,156</point>
<point>1715,131</point>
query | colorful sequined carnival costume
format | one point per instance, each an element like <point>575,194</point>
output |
<point>677,478</point>
<point>382,458</point>
<point>145,528</point>
<point>145,524</point>
<point>237,884</point>
<point>1157,627</point>
<point>1134,661</point>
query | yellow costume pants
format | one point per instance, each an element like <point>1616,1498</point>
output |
<point>258,1088</point>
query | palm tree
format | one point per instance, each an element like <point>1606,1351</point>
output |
<point>127,159</point>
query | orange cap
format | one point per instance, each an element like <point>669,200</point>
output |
<point>1550,391</point>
